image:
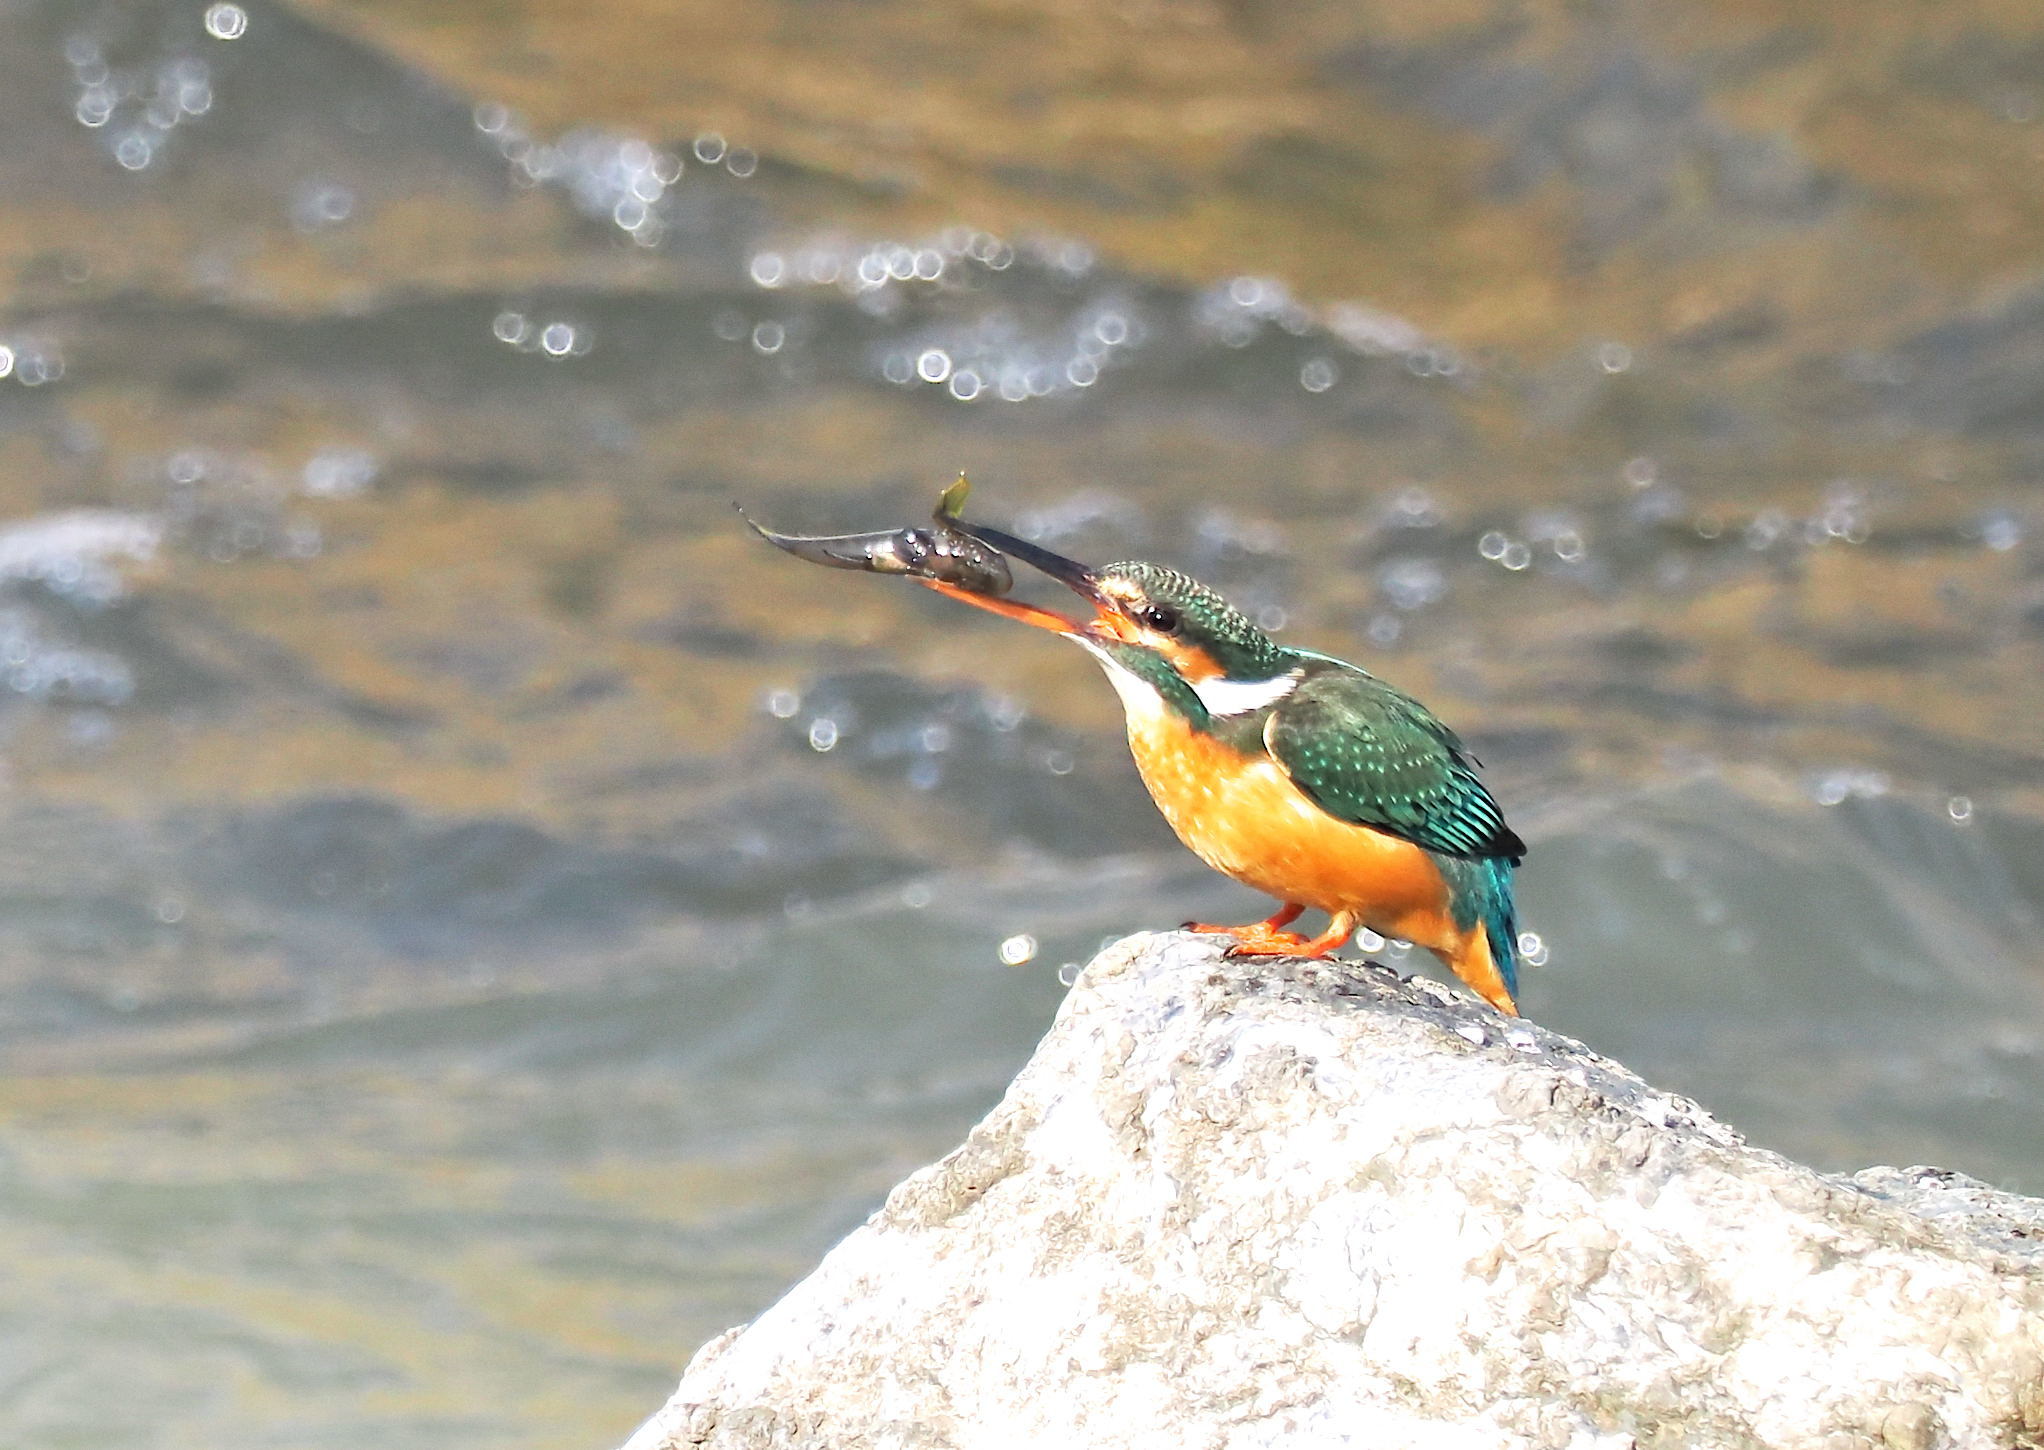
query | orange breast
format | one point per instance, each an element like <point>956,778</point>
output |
<point>1244,817</point>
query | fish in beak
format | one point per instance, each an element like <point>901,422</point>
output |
<point>1068,572</point>
<point>940,553</point>
<point>967,562</point>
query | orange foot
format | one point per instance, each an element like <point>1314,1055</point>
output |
<point>1265,939</point>
<point>1250,942</point>
<point>1269,925</point>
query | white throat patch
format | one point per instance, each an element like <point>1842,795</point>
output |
<point>1140,701</point>
<point>1223,698</point>
<point>1239,697</point>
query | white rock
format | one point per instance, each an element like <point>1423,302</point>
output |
<point>1231,1205</point>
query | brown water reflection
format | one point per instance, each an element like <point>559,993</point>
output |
<point>476,922</point>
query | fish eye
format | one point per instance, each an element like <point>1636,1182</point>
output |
<point>1160,617</point>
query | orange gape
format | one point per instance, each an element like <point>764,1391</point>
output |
<point>1243,816</point>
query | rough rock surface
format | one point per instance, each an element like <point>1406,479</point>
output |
<point>1239,1204</point>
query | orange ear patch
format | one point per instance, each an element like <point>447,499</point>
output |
<point>1192,663</point>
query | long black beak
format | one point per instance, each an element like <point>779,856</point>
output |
<point>1068,572</point>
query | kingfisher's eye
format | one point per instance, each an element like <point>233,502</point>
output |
<point>1160,617</point>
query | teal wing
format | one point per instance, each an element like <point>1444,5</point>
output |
<point>1365,752</point>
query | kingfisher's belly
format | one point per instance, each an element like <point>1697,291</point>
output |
<point>1244,817</point>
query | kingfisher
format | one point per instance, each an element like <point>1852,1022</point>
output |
<point>1296,773</point>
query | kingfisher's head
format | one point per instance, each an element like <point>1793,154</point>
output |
<point>1161,635</point>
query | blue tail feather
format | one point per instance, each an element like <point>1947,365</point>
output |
<point>1481,890</point>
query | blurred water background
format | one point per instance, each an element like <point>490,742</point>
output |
<point>476,924</point>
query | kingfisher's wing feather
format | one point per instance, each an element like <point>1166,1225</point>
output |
<point>1366,752</point>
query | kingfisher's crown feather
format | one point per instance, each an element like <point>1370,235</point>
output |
<point>1204,619</point>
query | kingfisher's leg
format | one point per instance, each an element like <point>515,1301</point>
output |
<point>1255,942</point>
<point>1340,927</point>
<point>1282,917</point>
